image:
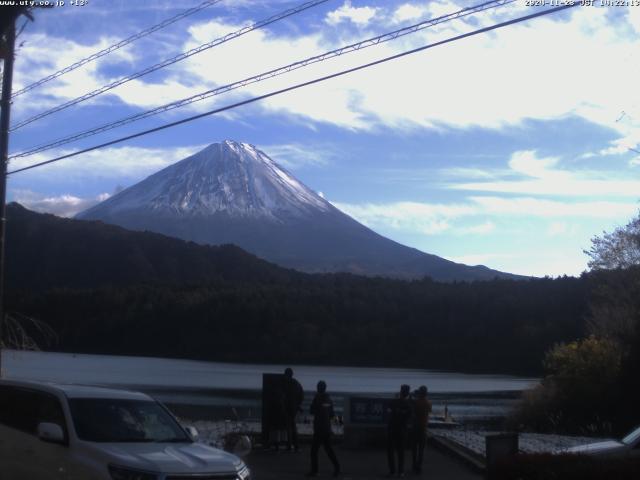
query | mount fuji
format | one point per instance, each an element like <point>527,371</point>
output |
<point>232,192</point>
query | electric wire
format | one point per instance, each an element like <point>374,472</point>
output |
<point>117,46</point>
<point>170,61</point>
<point>266,75</point>
<point>300,85</point>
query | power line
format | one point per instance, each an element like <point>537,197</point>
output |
<point>172,60</point>
<point>299,85</point>
<point>118,45</point>
<point>269,74</point>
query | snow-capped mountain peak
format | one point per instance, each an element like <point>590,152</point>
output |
<point>231,177</point>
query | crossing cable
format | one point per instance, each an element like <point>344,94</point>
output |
<point>300,85</point>
<point>170,61</point>
<point>266,75</point>
<point>117,46</point>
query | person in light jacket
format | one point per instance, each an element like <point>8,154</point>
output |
<point>421,410</point>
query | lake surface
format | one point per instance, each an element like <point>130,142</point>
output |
<point>226,385</point>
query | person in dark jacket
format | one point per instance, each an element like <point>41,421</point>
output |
<point>293,397</point>
<point>322,411</point>
<point>421,410</point>
<point>399,412</point>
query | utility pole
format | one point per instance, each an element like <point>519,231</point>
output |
<point>5,106</point>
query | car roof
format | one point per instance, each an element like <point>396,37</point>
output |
<point>78,391</point>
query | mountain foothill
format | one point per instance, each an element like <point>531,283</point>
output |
<point>226,256</point>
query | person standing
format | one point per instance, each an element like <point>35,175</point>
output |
<point>322,411</point>
<point>399,414</point>
<point>293,397</point>
<point>277,416</point>
<point>421,411</point>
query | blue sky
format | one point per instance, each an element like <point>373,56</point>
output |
<point>510,149</point>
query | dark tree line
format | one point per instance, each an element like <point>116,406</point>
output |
<point>107,290</point>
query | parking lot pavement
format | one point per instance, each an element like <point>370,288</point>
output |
<point>356,465</point>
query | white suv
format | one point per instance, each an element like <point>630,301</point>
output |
<point>72,432</point>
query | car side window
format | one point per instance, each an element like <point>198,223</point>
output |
<point>16,409</point>
<point>24,409</point>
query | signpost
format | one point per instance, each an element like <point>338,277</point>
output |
<point>365,421</point>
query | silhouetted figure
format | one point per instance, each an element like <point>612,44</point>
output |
<point>293,397</point>
<point>421,410</point>
<point>322,411</point>
<point>277,417</point>
<point>400,411</point>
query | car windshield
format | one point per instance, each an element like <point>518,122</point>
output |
<point>632,438</point>
<point>120,420</point>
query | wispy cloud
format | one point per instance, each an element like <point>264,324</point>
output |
<point>408,11</point>
<point>525,207</point>
<point>108,162</point>
<point>480,229</point>
<point>41,55</point>
<point>428,219</point>
<point>61,205</point>
<point>359,15</point>
<point>423,216</point>
<point>542,176</point>
<point>295,155</point>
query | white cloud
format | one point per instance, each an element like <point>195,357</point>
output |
<point>534,207</point>
<point>432,217</point>
<point>359,15</point>
<point>426,218</point>
<point>408,11</point>
<point>107,162</point>
<point>480,229</point>
<point>629,141</point>
<point>441,8</point>
<point>571,188</point>
<point>61,205</point>
<point>527,163</point>
<point>42,54</point>
<point>466,173</point>
<point>515,69</point>
<point>541,178</point>
<point>295,155</point>
<point>512,68</point>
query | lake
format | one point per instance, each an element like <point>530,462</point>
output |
<point>212,388</point>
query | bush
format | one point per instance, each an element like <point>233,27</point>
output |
<point>579,394</point>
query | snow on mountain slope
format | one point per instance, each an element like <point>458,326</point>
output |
<point>230,177</point>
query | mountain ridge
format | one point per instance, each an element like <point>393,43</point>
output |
<point>232,192</point>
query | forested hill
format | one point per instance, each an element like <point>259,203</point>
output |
<point>45,251</point>
<point>107,290</point>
